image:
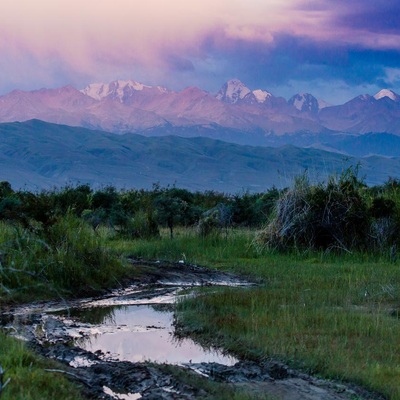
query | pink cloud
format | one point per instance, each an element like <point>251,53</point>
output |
<point>97,38</point>
<point>82,32</point>
<point>142,31</point>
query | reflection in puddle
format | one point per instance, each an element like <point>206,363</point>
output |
<point>129,396</point>
<point>138,333</point>
<point>137,328</point>
<point>80,361</point>
<point>135,325</point>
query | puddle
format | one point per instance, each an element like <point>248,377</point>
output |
<point>135,325</point>
<point>135,333</point>
<point>122,396</point>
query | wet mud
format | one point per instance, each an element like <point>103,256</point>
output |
<point>117,345</point>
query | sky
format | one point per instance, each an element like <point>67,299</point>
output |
<point>334,49</point>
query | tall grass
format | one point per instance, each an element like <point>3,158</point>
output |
<point>190,246</point>
<point>68,256</point>
<point>28,378</point>
<point>329,314</point>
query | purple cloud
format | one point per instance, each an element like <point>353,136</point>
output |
<point>279,46</point>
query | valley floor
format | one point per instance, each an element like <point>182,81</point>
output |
<point>330,316</point>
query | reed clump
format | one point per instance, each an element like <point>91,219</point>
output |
<point>340,215</point>
<point>67,256</point>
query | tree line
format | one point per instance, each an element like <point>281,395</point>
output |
<point>136,212</point>
<point>342,213</point>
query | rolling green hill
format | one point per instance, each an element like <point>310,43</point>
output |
<point>36,154</point>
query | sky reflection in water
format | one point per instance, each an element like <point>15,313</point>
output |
<point>142,333</point>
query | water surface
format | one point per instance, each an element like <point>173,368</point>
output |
<point>125,329</point>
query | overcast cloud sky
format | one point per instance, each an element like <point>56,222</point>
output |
<point>332,49</point>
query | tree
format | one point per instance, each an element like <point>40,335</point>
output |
<point>105,198</point>
<point>170,209</point>
<point>5,189</point>
<point>78,198</point>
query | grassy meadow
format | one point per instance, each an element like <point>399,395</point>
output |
<point>333,315</point>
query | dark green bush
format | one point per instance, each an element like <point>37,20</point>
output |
<point>142,226</point>
<point>10,208</point>
<point>382,207</point>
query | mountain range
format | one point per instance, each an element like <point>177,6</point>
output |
<point>37,155</point>
<point>236,113</point>
<point>128,134</point>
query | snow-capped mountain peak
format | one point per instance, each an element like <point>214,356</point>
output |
<point>305,102</point>
<point>387,93</point>
<point>161,89</point>
<point>261,95</point>
<point>233,91</point>
<point>116,89</point>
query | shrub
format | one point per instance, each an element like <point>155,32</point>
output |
<point>76,198</point>
<point>214,220</point>
<point>10,208</point>
<point>288,222</point>
<point>321,216</point>
<point>209,225</point>
<point>67,255</point>
<point>142,226</point>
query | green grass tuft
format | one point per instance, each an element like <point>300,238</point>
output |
<point>28,378</point>
<point>68,257</point>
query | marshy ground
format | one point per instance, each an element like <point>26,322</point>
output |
<point>126,344</point>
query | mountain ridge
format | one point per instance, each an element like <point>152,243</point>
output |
<point>130,106</point>
<point>38,155</point>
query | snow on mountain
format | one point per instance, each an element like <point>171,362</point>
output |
<point>305,102</point>
<point>118,89</point>
<point>261,95</point>
<point>387,93</point>
<point>362,97</point>
<point>113,89</point>
<point>129,106</point>
<point>233,91</point>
